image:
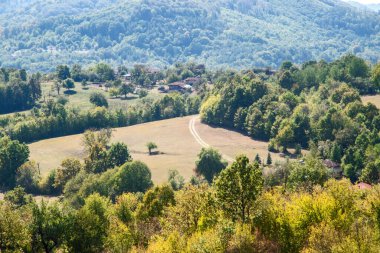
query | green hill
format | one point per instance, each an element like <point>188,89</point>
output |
<point>39,34</point>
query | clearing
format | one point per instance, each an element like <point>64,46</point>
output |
<point>372,99</point>
<point>179,141</point>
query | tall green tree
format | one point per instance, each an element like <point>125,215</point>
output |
<point>118,154</point>
<point>132,177</point>
<point>237,188</point>
<point>89,226</point>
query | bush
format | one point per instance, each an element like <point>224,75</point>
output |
<point>132,177</point>
<point>98,99</point>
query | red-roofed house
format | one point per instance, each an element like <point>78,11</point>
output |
<point>363,186</point>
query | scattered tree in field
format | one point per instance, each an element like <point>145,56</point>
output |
<point>237,188</point>
<point>58,86</point>
<point>114,92</point>
<point>125,89</point>
<point>209,163</point>
<point>258,159</point>
<point>98,99</point>
<point>151,146</point>
<point>84,84</point>
<point>68,84</point>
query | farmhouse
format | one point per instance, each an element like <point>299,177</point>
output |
<point>363,186</point>
<point>152,71</point>
<point>192,80</point>
<point>177,86</point>
<point>127,77</point>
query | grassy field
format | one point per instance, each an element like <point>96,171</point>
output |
<point>177,146</point>
<point>80,98</point>
<point>372,99</point>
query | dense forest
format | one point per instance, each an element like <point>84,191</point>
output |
<point>17,90</point>
<point>221,33</point>
<point>315,106</point>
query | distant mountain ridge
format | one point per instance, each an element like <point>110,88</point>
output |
<point>38,34</point>
<point>373,7</point>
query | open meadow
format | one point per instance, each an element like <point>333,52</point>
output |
<point>372,99</point>
<point>178,146</point>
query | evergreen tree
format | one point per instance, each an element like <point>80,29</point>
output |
<point>258,159</point>
<point>269,159</point>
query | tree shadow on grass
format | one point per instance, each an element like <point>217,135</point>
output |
<point>128,98</point>
<point>70,92</point>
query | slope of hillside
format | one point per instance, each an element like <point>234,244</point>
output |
<point>40,34</point>
<point>175,154</point>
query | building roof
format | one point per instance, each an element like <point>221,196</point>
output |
<point>192,79</point>
<point>363,186</point>
<point>180,84</point>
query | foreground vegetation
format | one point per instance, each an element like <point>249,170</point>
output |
<point>120,211</point>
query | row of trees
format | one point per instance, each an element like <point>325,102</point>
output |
<point>55,119</point>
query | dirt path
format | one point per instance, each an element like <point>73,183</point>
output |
<point>196,136</point>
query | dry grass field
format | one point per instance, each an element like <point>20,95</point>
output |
<point>176,142</point>
<point>372,99</point>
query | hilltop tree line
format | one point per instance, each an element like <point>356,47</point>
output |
<point>315,106</point>
<point>45,34</point>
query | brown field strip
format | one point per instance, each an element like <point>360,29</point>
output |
<point>174,138</point>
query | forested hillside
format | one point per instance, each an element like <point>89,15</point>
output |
<point>39,35</point>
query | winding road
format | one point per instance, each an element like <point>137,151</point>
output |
<point>201,142</point>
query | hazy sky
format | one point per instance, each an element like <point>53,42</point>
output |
<point>366,1</point>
